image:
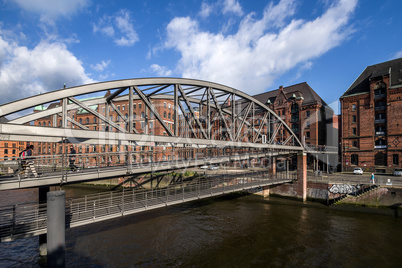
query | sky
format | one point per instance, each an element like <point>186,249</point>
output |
<point>253,46</point>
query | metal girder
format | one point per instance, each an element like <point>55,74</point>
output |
<point>275,132</point>
<point>192,112</point>
<point>242,122</point>
<point>73,122</point>
<point>157,85</point>
<point>187,121</point>
<point>13,132</point>
<point>221,114</point>
<point>261,126</point>
<point>153,110</point>
<point>107,121</point>
<point>115,94</point>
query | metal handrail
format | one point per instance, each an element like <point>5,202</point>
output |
<point>27,220</point>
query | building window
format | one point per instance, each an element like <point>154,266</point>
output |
<point>134,106</point>
<point>308,135</point>
<point>5,151</point>
<point>94,120</point>
<point>169,105</point>
<point>118,107</point>
<point>354,143</point>
<point>354,159</point>
<point>294,108</point>
<point>354,131</point>
<point>164,114</point>
<point>395,159</point>
<point>139,105</point>
<point>135,116</point>
<point>87,120</point>
<point>164,104</point>
<point>353,107</point>
<point>142,115</point>
<point>354,118</point>
<point>307,114</point>
<point>380,159</point>
<point>80,121</point>
<point>168,115</point>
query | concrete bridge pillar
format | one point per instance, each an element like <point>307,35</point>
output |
<point>56,228</point>
<point>273,166</point>
<point>302,176</point>
<point>265,191</point>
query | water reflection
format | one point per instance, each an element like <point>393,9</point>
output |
<point>229,231</point>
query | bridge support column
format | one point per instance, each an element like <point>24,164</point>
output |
<point>273,166</point>
<point>302,176</point>
<point>265,191</point>
<point>56,228</point>
<point>42,238</point>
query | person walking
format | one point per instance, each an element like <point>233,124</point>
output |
<point>29,162</point>
<point>71,159</point>
<point>372,178</point>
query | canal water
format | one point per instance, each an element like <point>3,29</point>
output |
<point>230,231</point>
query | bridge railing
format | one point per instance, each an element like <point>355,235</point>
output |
<point>321,148</point>
<point>31,219</point>
<point>59,165</point>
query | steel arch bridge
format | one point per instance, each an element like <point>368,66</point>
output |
<point>207,108</point>
<point>204,117</point>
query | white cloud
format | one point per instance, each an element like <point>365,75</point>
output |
<point>397,55</point>
<point>118,27</point>
<point>100,66</point>
<point>261,50</point>
<point>160,70</point>
<point>50,10</point>
<point>206,9</point>
<point>25,72</point>
<point>232,6</point>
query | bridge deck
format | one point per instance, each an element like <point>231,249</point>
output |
<point>57,174</point>
<point>20,221</point>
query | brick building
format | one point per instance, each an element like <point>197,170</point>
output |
<point>307,114</point>
<point>371,111</point>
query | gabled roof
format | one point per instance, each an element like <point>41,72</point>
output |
<point>299,90</point>
<point>362,83</point>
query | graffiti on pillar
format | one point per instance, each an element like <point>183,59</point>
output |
<point>342,189</point>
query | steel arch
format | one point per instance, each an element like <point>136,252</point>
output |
<point>234,111</point>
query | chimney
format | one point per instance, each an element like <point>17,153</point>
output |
<point>281,88</point>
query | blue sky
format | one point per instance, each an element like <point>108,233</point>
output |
<point>253,46</point>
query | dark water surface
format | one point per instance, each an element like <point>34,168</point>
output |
<point>227,232</point>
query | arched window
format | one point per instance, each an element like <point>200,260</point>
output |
<point>380,159</point>
<point>80,120</point>
<point>142,115</point>
<point>168,115</point>
<point>39,124</point>
<point>134,115</point>
<point>354,159</point>
<point>14,152</point>
<point>164,114</point>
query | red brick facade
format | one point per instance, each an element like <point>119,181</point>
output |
<point>372,121</point>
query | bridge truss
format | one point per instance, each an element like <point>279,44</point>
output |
<point>211,115</point>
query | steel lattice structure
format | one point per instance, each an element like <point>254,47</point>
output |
<point>206,108</point>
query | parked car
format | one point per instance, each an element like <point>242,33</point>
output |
<point>213,168</point>
<point>358,171</point>
<point>204,167</point>
<point>398,172</point>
